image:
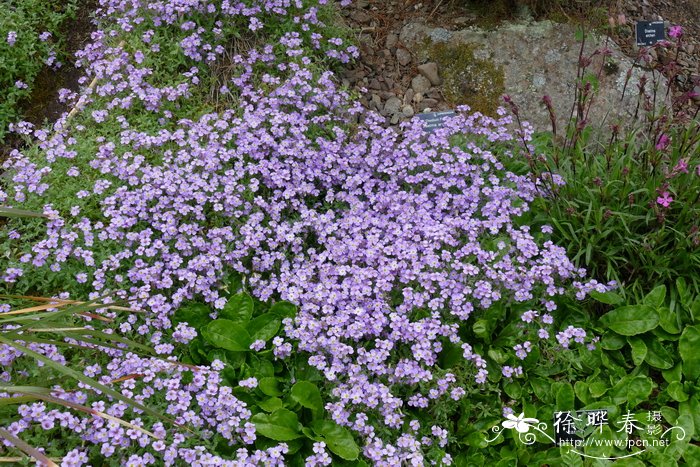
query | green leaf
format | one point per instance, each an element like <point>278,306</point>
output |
<point>307,395</point>
<point>631,320</point>
<point>513,389</point>
<point>338,439</point>
<point>657,355</point>
<point>271,404</point>
<point>269,386</point>
<point>238,309</point>
<point>612,341</point>
<point>668,320</point>
<point>194,314</point>
<point>226,334</point>
<point>676,391</point>
<point>639,350</point>
<point>280,425</point>
<point>284,309</point>
<point>689,350</point>
<point>565,397</point>
<point>12,212</point>
<point>264,327</point>
<point>609,298</point>
<point>632,390</point>
<point>656,297</point>
<point>674,374</point>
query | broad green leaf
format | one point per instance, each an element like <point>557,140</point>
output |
<point>238,309</point>
<point>612,341</point>
<point>668,320</point>
<point>656,297</point>
<point>226,334</point>
<point>676,391</point>
<point>631,320</point>
<point>657,355</point>
<point>271,404</point>
<point>338,439</point>
<point>632,390</point>
<point>308,395</point>
<point>673,374</point>
<point>194,314</point>
<point>689,350</point>
<point>639,349</point>
<point>513,389</point>
<point>269,386</point>
<point>280,425</point>
<point>264,327</point>
<point>565,397</point>
<point>581,390</point>
<point>284,309</point>
<point>609,298</point>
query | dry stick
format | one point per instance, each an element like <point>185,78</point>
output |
<point>83,98</point>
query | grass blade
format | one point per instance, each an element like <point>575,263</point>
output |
<point>26,448</point>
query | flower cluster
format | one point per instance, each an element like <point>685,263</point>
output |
<point>389,241</point>
<point>193,398</point>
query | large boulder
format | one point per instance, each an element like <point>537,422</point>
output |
<point>528,61</point>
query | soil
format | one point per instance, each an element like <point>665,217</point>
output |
<point>43,104</point>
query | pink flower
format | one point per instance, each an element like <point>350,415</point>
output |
<point>675,32</point>
<point>663,142</point>
<point>664,200</point>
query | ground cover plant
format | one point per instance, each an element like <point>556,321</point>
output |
<point>294,288</point>
<point>30,39</point>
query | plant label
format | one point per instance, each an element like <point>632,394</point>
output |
<point>435,120</point>
<point>650,32</point>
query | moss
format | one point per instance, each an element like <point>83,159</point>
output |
<point>476,82</point>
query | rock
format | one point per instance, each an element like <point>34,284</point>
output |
<point>392,106</point>
<point>430,71</point>
<point>375,84</point>
<point>391,41</point>
<point>696,94</point>
<point>403,56</point>
<point>360,16</point>
<point>524,60</point>
<point>434,94</point>
<point>440,35</point>
<point>395,119</point>
<point>418,97</point>
<point>407,111</point>
<point>420,84</point>
<point>377,102</point>
<point>408,96</point>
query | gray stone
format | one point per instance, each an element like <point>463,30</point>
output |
<point>430,71</point>
<point>392,106</point>
<point>440,35</point>
<point>696,94</point>
<point>407,111</point>
<point>420,84</point>
<point>391,41</point>
<point>408,96</point>
<point>360,16</point>
<point>403,56</point>
<point>377,102</point>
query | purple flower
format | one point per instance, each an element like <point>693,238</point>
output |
<point>11,38</point>
<point>665,199</point>
<point>675,32</point>
<point>663,142</point>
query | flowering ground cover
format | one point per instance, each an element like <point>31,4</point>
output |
<point>276,282</point>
